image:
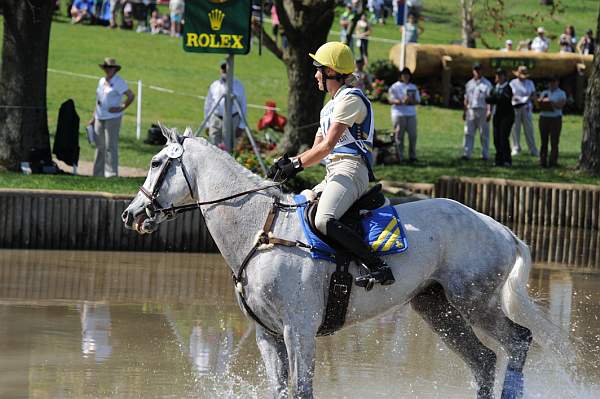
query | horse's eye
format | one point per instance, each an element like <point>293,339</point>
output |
<point>155,164</point>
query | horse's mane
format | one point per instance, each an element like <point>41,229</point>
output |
<point>240,170</point>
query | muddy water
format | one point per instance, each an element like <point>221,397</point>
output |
<point>131,325</point>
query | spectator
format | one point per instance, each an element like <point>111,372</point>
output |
<point>345,21</point>
<point>551,104</point>
<point>275,22</point>
<point>587,44</point>
<point>107,118</point>
<point>540,43</point>
<point>414,8</point>
<point>176,8</point>
<point>403,96</point>
<point>413,29</point>
<point>363,31</point>
<point>116,6</point>
<point>523,94</point>
<point>477,113</point>
<point>398,8</point>
<point>504,117</point>
<point>376,8</point>
<point>564,44</point>
<point>166,24</point>
<point>508,46</point>
<point>81,10</point>
<point>127,16</point>
<point>363,79</point>
<point>215,93</point>
<point>156,23</point>
<point>570,33</point>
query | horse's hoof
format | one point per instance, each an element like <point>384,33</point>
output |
<point>370,284</point>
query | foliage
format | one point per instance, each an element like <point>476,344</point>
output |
<point>383,70</point>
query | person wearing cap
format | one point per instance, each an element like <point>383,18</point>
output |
<point>344,141</point>
<point>540,43</point>
<point>523,95</point>
<point>107,118</point>
<point>503,117</point>
<point>551,103</point>
<point>477,113</point>
<point>216,90</point>
<point>404,95</point>
<point>508,46</point>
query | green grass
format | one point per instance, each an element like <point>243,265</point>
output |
<point>119,185</point>
<point>160,61</point>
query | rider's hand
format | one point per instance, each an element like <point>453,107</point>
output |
<point>285,168</point>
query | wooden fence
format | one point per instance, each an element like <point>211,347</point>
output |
<point>526,203</point>
<point>71,220</point>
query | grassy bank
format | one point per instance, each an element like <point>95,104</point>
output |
<point>159,61</point>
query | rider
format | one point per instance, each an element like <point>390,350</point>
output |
<point>344,140</point>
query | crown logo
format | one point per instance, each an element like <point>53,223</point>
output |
<point>215,16</point>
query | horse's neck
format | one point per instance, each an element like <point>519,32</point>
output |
<point>234,224</point>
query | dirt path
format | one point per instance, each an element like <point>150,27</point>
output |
<point>85,168</point>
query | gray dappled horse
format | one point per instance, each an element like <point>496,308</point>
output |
<point>463,270</point>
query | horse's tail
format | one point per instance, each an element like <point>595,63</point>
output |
<point>521,309</point>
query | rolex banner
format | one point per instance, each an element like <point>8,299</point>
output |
<point>217,26</point>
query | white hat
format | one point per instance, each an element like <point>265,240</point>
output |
<point>508,42</point>
<point>540,29</point>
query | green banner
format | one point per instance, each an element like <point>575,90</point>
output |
<point>217,26</point>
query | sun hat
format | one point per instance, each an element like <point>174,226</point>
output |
<point>110,63</point>
<point>540,29</point>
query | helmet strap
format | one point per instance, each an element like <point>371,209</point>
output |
<point>324,77</point>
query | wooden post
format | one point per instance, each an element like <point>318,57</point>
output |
<point>580,86</point>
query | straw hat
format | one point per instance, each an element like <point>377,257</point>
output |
<point>110,63</point>
<point>522,72</point>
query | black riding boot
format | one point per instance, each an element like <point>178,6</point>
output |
<point>354,244</point>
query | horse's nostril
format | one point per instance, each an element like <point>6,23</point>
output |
<point>125,217</point>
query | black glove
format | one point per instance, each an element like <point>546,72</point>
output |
<point>285,168</point>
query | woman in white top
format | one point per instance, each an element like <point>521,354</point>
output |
<point>107,118</point>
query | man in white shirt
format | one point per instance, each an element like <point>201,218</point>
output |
<point>477,113</point>
<point>540,43</point>
<point>551,104</point>
<point>523,95</point>
<point>403,96</point>
<point>508,46</point>
<point>216,90</point>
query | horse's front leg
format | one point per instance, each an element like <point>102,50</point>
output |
<point>300,344</point>
<point>275,357</point>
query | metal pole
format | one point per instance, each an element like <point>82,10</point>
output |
<point>228,127</point>
<point>138,124</point>
<point>250,137</point>
<point>403,46</point>
<point>207,116</point>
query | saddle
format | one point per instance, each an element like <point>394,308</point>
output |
<point>369,201</point>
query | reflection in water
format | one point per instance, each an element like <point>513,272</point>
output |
<point>124,325</point>
<point>95,330</point>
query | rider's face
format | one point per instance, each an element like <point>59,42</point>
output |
<point>319,78</point>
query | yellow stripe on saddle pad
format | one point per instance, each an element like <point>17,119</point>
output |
<point>381,240</point>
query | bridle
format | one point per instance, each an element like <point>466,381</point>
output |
<point>175,152</point>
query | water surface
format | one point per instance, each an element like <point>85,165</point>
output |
<point>152,325</point>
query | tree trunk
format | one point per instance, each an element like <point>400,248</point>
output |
<point>468,23</point>
<point>589,160</point>
<point>23,116</point>
<point>306,24</point>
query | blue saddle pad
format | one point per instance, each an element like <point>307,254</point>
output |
<point>382,230</point>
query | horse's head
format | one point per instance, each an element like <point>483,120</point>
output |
<point>168,184</point>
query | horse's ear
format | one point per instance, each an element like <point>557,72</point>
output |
<point>164,130</point>
<point>188,132</point>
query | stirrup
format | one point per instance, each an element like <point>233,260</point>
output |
<point>383,276</point>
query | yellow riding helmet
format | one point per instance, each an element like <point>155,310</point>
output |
<point>335,55</point>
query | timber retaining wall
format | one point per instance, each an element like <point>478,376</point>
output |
<point>44,219</point>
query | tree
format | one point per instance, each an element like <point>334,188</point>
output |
<point>306,24</point>
<point>468,23</point>
<point>23,115</point>
<point>589,160</point>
